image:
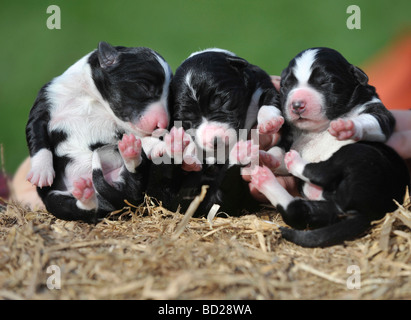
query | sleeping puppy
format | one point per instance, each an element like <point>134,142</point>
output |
<point>215,98</point>
<point>329,106</point>
<point>110,92</point>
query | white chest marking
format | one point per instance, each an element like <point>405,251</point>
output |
<point>316,147</point>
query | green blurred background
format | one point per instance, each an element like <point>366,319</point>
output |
<point>265,32</point>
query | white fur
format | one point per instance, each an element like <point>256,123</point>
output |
<point>303,64</point>
<point>187,80</point>
<point>78,109</point>
<point>368,128</point>
<point>168,73</point>
<point>267,113</point>
<point>213,50</point>
<point>275,193</point>
<point>366,125</point>
<point>316,147</point>
<point>42,171</point>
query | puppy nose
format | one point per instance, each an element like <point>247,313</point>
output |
<point>161,125</point>
<point>298,106</point>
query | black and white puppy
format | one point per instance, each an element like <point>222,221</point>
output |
<point>328,106</point>
<point>110,92</point>
<point>214,95</point>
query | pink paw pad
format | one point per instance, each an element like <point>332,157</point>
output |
<point>261,176</point>
<point>271,126</point>
<point>130,147</point>
<point>342,129</point>
<point>83,189</point>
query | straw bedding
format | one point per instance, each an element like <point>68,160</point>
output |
<point>147,252</point>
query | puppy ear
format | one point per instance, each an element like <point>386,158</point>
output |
<point>360,75</point>
<point>237,63</point>
<point>107,54</point>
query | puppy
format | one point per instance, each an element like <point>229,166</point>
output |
<point>215,98</point>
<point>110,92</point>
<point>328,106</point>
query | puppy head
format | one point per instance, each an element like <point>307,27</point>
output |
<point>319,85</point>
<point>210,96</point>
<point>135,83</point>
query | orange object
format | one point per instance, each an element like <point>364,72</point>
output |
<point>390,73</point>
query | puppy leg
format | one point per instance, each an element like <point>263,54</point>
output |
<point>324,174</point>
<point>361,127</point>
<point>64,206</point>
<point>295,164</point>
<point>41,173</point>
<point>301,213</point>
<point>117,177</point>
<point>265,182</point>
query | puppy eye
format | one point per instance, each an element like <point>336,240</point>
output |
<point>146,87</point>
<point>216,102</point>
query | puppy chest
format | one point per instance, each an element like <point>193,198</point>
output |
<point>316,147</point>
<point>78,134</point>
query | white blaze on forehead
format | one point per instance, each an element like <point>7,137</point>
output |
<point>302,69</point>
<point>187,80</point>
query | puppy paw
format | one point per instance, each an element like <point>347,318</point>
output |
<point>269,120</point>
<point>176,142</point>
<point>42,172</point>
<point>191,163</point>
<point>294,163</point>
<point>83,190</point>
<point>41,177</point>
<point>130,150</point>
<point>271,126</point>
<point>261,178</point>
<point>342,129</point>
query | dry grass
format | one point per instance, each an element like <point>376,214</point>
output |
<point>148,252</point>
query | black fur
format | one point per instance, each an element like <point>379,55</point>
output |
<point>224,85</point>
<point>360,180</point>
<point>128,80</point>
<point>343,85</point>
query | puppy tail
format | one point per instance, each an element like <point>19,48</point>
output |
<point>334,234</point>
